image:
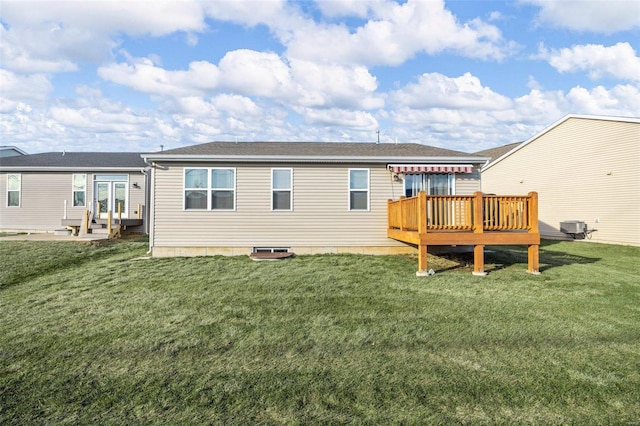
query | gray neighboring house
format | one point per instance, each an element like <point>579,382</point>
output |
<point>306,197</point>
<point>39,191</point>
<point>497,152</point>
<point>10,151</point>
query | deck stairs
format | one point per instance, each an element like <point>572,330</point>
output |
<point>110,229</point>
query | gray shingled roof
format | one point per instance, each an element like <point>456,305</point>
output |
<point>497,152</point>
<point>75,160</point>
<point>309,150</point>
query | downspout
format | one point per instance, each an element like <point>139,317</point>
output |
<point>150,201</point>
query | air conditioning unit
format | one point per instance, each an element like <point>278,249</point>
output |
<point>573,227</point>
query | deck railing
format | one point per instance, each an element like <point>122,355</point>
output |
<point>458,212</point>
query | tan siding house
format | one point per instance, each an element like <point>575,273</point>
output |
<point>39,191</point>
<point>584,168</point>
<point>334,196</point>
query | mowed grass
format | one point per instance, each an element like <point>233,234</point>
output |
<point>101,335</point>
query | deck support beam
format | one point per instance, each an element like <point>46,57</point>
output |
<point>478,261</point>
<point>533,266</point>
<point>422,230</point>
<point>478,230</point>
<point>422,261</point>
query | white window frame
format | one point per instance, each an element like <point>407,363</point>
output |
<point>185,189</point>
<point>211,189</point>
<point>359,190</point>
<point>290,189</point>
<point>73,190</point>
<point>19,190</point>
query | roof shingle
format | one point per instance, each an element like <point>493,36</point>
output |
<point>312,149</point>
<point>71,160</point>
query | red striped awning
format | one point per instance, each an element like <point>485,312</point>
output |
<point>430,168</point>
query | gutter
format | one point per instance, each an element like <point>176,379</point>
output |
<point>306,159</point>
<point>68,169</point>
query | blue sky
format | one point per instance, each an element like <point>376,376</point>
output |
<point>464,75</point>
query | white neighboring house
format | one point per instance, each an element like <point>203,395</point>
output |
<point>584,168</point>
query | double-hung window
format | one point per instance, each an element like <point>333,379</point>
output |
<point>209,189</point>
<point>223,189</point>
<point>358,189</point>
<point>196,188</point>
<point>14,187</point>
<point>282,189</point>
<point>79,183</point>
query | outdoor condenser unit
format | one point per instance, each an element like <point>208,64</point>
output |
<point>573,227</point>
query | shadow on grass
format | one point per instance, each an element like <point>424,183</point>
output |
<point>502,257</point>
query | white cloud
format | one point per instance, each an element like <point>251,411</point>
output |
<point>336,117</point>
<point>53,36</point>
<point>334,85</point>
<point>437,112</point>
<point>253,74</point>
<point>191,106</point>
<point>350,8</point>
<point>31,51</point>
<point>434,90</point>
<point>144,76</point>
<point>621,100</point>
<point>495,16</point>
<point>533,83</point>
<point>619,60</point>
<point>396,35</point>
<point>237,106</point>
<point>589,15</point>
<point>17,87</point>
<point>249,72</point>
<point>248,13</point>
<point>153,17</point>
<point>100,121</point>
<point>89,123</point>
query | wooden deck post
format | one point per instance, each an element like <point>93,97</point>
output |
<point>422,230</point>
<point>109,222</point>
<point>478,228</point>
<point>84,228</point>
<point>403,221</point>
<point>533,266</point>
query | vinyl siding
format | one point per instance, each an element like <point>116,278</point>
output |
<point>320,215</point>
<point>583,169</point>
<point>467,184</point>
<point>42,200</point>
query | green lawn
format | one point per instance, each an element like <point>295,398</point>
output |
<point>102,335</point>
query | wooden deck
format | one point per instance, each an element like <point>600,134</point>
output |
<point>476,220</point>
